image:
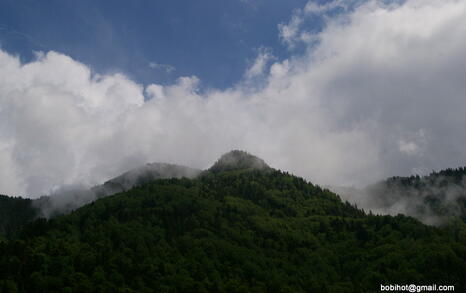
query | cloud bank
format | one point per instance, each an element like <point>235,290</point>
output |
<point>380,91</point>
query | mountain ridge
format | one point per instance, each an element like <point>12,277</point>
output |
<point>229,231</point>
<point>69,199</point>
<point>434,211</point>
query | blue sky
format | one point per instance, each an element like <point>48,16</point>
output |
<point>215,40</point>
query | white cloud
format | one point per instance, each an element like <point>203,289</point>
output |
<point>408,147</point>
<point>314,7</point>
<point>290,33</point>
<point>296,32</point>
<point>414,144</point>
<point>336,115</point>
<point>260,63</point>
<point>165,67</point>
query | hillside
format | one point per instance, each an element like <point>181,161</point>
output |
<point>68,200</point>
<point>234,230</point>
<point>17,211</point>
<point>434,199</point>
<point>142,175</point>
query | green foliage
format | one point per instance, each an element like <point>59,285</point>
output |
<point>15,212</point>
<point>229,231</point>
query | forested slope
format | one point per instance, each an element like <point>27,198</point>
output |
<point>232,230</point>
<point>436,198</point>
<point>15,212</point>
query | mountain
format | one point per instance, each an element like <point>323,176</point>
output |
<point>17,211</point>
<point>238,160</point>
<point>433,199</point>
<point>67,200</point>
<point>239,229</point>
<point>144,174</point>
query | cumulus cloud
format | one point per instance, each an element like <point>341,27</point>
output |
<point>259,65</point>
<point>379,75</point>
<point>295,31</point>
<point>290,33</point>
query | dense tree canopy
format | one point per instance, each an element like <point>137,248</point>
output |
<point>15,212</point>
<point>233,230</point>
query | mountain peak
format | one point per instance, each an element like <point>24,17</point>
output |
<point>147,173</point>
<point>237,159</point>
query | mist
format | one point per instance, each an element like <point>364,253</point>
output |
<point>68,198</point>
<point>432,199</point>
<point>379,91</point>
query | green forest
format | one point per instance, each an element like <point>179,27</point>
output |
<point>439,194</point>
<point>238,227</point>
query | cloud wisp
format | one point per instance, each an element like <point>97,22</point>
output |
<point>380,93</point>
<point>164,67</point>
